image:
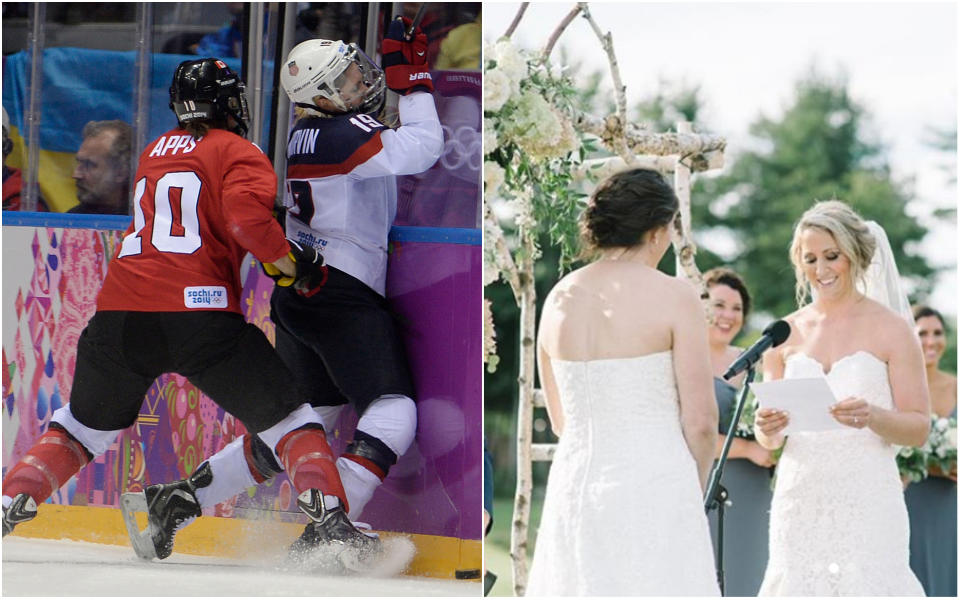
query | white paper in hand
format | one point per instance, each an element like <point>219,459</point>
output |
<point>807,401</point>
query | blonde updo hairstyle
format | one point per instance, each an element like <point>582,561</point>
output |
<point>848,229</point>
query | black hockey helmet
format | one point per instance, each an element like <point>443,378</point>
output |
<point>206,89</point>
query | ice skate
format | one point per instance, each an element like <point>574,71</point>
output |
<point>22,509</point>
<point>169,507</point>
<point>331,541</point>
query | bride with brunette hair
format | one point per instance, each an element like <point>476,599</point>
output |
<point>625,367</point>
<point>838,523</point>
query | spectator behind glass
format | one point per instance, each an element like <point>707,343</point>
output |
<point>327,21</point>
<point>226,41</point>
<point>103,168</point>
<point>432,25</point>
<point>461,48</point>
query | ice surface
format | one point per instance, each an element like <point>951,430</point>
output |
<point>38,567</point>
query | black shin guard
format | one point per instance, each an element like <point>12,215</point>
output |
<point>371,453</point>
<point>260,459</point>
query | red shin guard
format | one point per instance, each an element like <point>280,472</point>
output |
<point>309,463</point>
<point>55,458</point>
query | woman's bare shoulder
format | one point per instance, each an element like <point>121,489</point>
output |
<point>800,322</point>
<point>885,326</point>
<point>572,287</point>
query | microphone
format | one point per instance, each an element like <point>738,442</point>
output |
<point>775,334</point>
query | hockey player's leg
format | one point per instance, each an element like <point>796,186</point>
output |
<point>384,432</point>
<point>243,463</point>
<point>58,455</point>
<point>308,460</point>
<point>172,506</point>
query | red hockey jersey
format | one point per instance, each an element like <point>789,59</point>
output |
<point>199,206</point>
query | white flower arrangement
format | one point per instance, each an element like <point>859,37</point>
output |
<point>497,89</point>
<point>510,60</point>
<point>941,444</point>
<point>522,210</point>
<point>530,149</point>
<point>490,140</point>
<point>538,128</point>
<point>938,452</point>
<point>493,176</point>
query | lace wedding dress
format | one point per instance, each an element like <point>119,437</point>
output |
<point>838,522</point>
<point>623,513</point>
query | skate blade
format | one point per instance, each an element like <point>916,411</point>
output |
<point>142,541</point>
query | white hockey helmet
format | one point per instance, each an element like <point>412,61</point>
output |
<point>322,68</point>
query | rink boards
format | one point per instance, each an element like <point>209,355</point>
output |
<point>53,266</point>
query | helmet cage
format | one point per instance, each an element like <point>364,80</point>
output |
<point>371,76</point>
<point>336,77</point>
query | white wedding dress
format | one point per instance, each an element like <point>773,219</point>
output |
<point>838,522</point>
<point>623,513</point>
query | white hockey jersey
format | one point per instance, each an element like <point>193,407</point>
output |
<point>341,188</point>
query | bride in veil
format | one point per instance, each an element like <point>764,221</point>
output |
<point>838,522</point>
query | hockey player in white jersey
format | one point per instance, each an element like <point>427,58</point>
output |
<point>339,339</point>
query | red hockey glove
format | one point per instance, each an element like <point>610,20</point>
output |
<point>405,61</point>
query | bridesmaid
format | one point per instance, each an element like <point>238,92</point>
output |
<point>932,503</point>
<point>746,475</point>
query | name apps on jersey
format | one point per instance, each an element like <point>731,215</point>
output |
<point>173,144</point>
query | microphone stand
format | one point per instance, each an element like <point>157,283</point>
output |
<point>716,496</point>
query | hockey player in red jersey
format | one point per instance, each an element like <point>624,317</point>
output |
<point>339,338</point>
<point>203,197</point>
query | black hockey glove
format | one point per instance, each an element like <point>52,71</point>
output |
<point>310,275</point>
<point>405,61</point>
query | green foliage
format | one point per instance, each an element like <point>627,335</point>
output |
<point>536,147</point>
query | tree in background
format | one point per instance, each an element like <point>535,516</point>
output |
<point>671,102</point>
<point>817,150</point>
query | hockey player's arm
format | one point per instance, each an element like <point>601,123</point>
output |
<point>411,148</point>
<point>249,188</point>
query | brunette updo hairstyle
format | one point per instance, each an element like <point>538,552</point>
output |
<point>729,278</point>
<point>625,207</point>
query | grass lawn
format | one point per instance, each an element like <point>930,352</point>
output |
<point>496,546</point>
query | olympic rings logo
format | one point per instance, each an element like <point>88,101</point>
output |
<point>461,148</point>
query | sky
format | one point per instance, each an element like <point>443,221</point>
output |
<point>900,60</point>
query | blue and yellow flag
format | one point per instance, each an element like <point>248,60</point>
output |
<point>81,85</point>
